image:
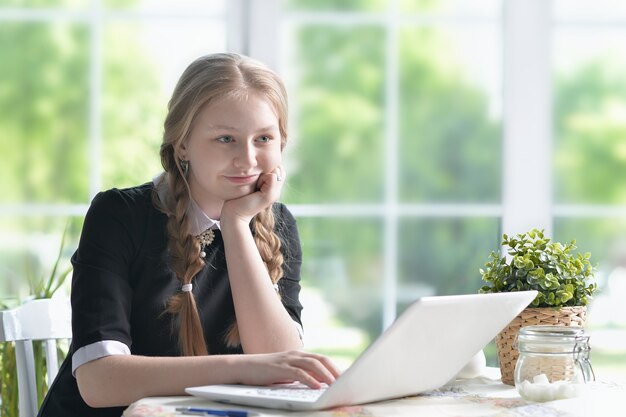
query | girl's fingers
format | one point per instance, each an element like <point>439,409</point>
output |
<point>279,173</point>
<point>310,369</point>
<point>328,364</point>
<point>305,378</point>
<point>317,367</point>
<point>272,182</point>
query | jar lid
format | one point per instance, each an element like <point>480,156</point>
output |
<point>551,333</point>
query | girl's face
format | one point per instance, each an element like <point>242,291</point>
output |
<point>232,141</point>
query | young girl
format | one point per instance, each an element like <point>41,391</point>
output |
<point>174,279</point>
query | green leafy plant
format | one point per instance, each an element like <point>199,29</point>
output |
<point>40,287</point>
<point>46,286</point>
<point>561,277</point>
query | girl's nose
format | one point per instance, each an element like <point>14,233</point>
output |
<point>246,157</point>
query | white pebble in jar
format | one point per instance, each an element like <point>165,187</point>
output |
<point>541,389</point>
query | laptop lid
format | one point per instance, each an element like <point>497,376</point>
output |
<point>422,350</point>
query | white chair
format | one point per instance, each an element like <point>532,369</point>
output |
<point>47,320</point>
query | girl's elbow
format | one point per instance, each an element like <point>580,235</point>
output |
<point>86,389</point>
<point>90,386</point>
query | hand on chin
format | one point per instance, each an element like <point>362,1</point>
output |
<point>256,198</point>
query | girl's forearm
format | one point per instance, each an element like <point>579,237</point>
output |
<point>119,380</point>
<point>264,324</point>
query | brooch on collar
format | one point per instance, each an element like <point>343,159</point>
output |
<point>205,238</point>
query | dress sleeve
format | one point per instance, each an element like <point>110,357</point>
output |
<point>289,285</point>
<point>101,293</point>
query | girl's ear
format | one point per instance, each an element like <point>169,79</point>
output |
<point>181,151</point>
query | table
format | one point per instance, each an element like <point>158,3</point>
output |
<point>482,396</point>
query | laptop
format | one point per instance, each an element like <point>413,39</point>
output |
<point>425,348</point>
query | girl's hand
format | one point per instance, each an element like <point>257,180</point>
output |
<point>310,369</point>
<point>268,188</point>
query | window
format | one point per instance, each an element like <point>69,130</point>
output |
<point>590,156</point>
<point>395,166</point>
<point>84,92</point>
<point>420,132</point>
<point>411,155</point>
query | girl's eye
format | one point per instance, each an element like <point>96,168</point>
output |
<point>264,139</point>
<point>225,139</point>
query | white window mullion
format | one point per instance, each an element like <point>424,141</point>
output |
<point>390,219</point>
<point>238,33</point>
<point>95,98</point>
<point>597,211</point>
<point>527,146</point>
<point>263,30</point>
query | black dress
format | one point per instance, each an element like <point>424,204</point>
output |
<point>121,282</point>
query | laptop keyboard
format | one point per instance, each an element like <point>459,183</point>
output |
<point>291,392</point>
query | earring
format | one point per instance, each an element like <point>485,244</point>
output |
<point>184,166</point>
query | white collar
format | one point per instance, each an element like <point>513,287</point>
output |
<point>198,219</point>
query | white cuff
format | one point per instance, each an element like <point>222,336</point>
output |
<point>97,350</point>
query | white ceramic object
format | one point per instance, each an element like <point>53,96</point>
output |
<point>475,367</point>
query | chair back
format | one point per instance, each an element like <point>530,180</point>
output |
<point>47,320</point>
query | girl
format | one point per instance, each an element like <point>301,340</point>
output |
<point>174,279</point>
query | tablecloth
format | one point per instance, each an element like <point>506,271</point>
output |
<point>481,396</point>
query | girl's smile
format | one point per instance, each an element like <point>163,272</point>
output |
<point>243,179</point>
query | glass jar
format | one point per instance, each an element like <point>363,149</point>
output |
<point>553,362</point>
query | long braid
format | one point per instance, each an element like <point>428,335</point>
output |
<point>268,243</point>
<point>184,251</point>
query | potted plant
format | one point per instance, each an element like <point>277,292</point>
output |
<point>562,278</point>
<point>41,287</point>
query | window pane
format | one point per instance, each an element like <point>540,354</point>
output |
<point>342,283</point>
<point>185,6</point>
<point>138,82</point>
<point>70,4</point>
<point>43,112</point>
<point>587,10</point>
<point>465,7</point>
<point>28,251</point>
<point>590,115</point>
<point>334,5</point>
<point>450,114</point>
<point>336,82</point>
<point>443,256</point>
<point>606,320</point>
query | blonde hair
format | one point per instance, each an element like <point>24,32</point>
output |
<point>209,78</point>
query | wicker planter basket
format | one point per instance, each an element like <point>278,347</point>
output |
<point>505,340</point>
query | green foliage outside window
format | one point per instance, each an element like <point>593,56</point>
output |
<point>590,129</point>
<point>336,5</point>
<point>43,112</point>
<point>449,152</point>
<point>133,110</point>
<point>449,146</point>
<point>338,107</point>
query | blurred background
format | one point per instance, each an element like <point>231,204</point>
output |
<point>421,130</point>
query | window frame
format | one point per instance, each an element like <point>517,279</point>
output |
<point>254,29</point>
<point>527,136</point>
